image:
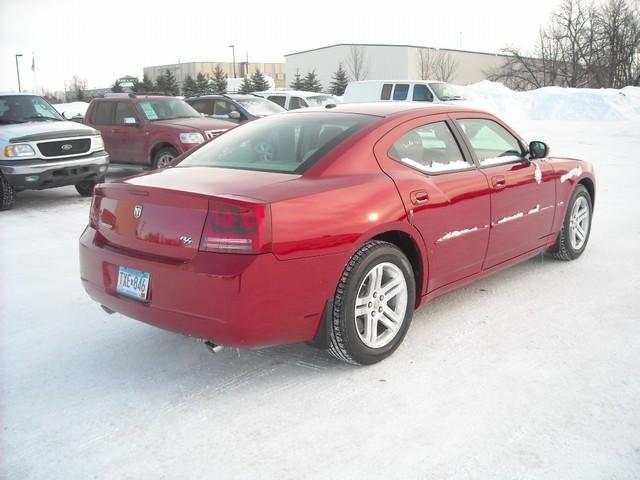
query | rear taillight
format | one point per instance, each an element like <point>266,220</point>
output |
<point>237,227</point>
<point>94,213</point>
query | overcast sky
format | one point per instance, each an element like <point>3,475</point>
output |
<point>106,39</point>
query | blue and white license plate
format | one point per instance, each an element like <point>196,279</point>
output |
<point>133,283</point>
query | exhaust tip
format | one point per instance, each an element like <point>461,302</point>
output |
<point>212,347</point>
<point>107,309</point>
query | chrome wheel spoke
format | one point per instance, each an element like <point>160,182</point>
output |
<point>390,319</point>
<point>392,288</point>
<point>371,329</point>
<point>579,223</point>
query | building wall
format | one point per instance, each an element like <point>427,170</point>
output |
<point>182,70</point>
<point>392,62</point>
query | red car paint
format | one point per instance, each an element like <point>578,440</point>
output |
<point>317,221</point>
<point>137,144</point>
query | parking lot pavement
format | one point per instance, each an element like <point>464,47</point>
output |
<point>531,373</point>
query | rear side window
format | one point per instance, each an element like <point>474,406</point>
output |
<point>279,143</point>
<point>430,148</point>
<point>123,110</point>
<point>386,91</point>
<point>278,99</point>
<point>401,91</point>
<point>492,143</point>
<point>296,103</point>
<point>103,113</point>
<point>421,93</point>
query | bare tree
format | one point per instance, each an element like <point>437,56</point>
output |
<point>357,63</point>
<point>77,88</point>
<point>424,62</point>
<point>445,66</point>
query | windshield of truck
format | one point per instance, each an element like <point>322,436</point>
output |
<point>446,91</point>
<point>167,109</point>
<point>26,108</point>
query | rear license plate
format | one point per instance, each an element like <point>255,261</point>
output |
<point>133,283</point>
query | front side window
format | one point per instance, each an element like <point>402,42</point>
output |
<point>421,93</point>
<point>430,148</point>
<point>103,113</point>
<point>279,143</point>
<point>492,143</point>
<point>296,103</point>
<point>123,110</point>
<point>203,106</point>
<point>401,91</point>
<point>26,108</point>
<point>386,91</point>
<point>167,109</point>
<point>222,108</point>
<point>278,99</point>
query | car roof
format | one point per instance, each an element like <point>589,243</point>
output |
<point>232,96</point>
<point>389,108</point>
<point>298,93</point>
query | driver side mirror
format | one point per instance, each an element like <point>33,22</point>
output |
<point>538,149</point>
<point>67,115</point>
<point>130,121</point>
<point>235,115</point>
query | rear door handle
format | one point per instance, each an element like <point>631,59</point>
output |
<point>498,182</point>
<point>115,130</point>
<point>419,197</point>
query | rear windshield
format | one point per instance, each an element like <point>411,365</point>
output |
<point>288,143</point>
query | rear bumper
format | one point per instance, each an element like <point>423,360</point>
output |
<point>39,174</point>
<point>229,299</point>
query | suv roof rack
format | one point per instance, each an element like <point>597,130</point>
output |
<point>119,95</point>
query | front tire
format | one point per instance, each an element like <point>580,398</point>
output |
<point>86,187</point>
<point>7,194</point>
<point>373,304</point>
<point>164,157</point>
<point>576,227</point>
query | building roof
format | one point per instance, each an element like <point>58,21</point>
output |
<point>391,45</point>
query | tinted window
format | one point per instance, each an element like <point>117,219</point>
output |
<point>491,143</point>
<point>431,148</point>
<point>123,110</point>
<point>203,106</point>
<point>297,102</point>
<point>279,143</point>
<point>401,91</point>
<point>421,93</point>
<point>103,113</point>
<point>278,99</point>
<point>386,91</point>
<point>222,108</point>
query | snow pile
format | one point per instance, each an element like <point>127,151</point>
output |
<point>556,103</point>
<point>74,108</point>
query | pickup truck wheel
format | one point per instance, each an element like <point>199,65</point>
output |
<point>164,157</point>
<point>86,188</point>
<point>373,304</point>
<point>576,227</point>
<point>7,194</point>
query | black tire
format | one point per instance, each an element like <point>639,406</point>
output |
<point>7,194</point>
<point>159,158</point>
<point>86,187</point>
<point>344,340</point>
<point>563,249</point>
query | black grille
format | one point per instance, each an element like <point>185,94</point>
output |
<point>65,147</point>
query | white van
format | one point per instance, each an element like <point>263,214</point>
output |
<point>294,99</point>
<point>401,91</point>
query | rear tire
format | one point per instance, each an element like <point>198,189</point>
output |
<point>86,187</point>
<point>366,327</point>
<point>164,157</point>
<point>576,228</point>
<point>7,194</point>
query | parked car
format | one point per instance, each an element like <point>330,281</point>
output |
<point>150,130</point>
<point>294,99</point>
<point>330,225</point>
<point>236,108</point>
<point>40,149</point>
<point>401,91</point>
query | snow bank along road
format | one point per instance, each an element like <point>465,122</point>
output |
<point>532,373</point>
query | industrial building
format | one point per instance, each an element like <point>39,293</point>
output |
<point>380,62</point>
<point>242,69</point>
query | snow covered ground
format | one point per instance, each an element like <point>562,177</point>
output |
<point>533,373</point>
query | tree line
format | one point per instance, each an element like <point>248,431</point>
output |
<point>583,45</point>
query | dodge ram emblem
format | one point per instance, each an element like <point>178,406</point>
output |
<point>137,211</point>
<point>186,240</point>
<point>66,146</point>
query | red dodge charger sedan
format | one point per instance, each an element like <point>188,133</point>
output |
<point>330,225</point>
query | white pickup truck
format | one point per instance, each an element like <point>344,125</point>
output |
<point>40,149</point>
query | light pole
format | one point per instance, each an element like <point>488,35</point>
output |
<point>18,71</point>
<point>233,52</point>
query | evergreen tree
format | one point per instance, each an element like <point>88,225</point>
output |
<point>247,86</point>
<point>202,84</point>
<point>160,85</point>
<point>116,87</point>
<point>340,81</point>
<point>189,87</point>
<point>171,86</point>
<point>260,83</point>
<point>311,82</point>
<point>297,83</point>
<point>219,80</point>
<point>146,85</point>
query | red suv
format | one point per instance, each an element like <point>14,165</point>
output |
<point>150,129</point>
